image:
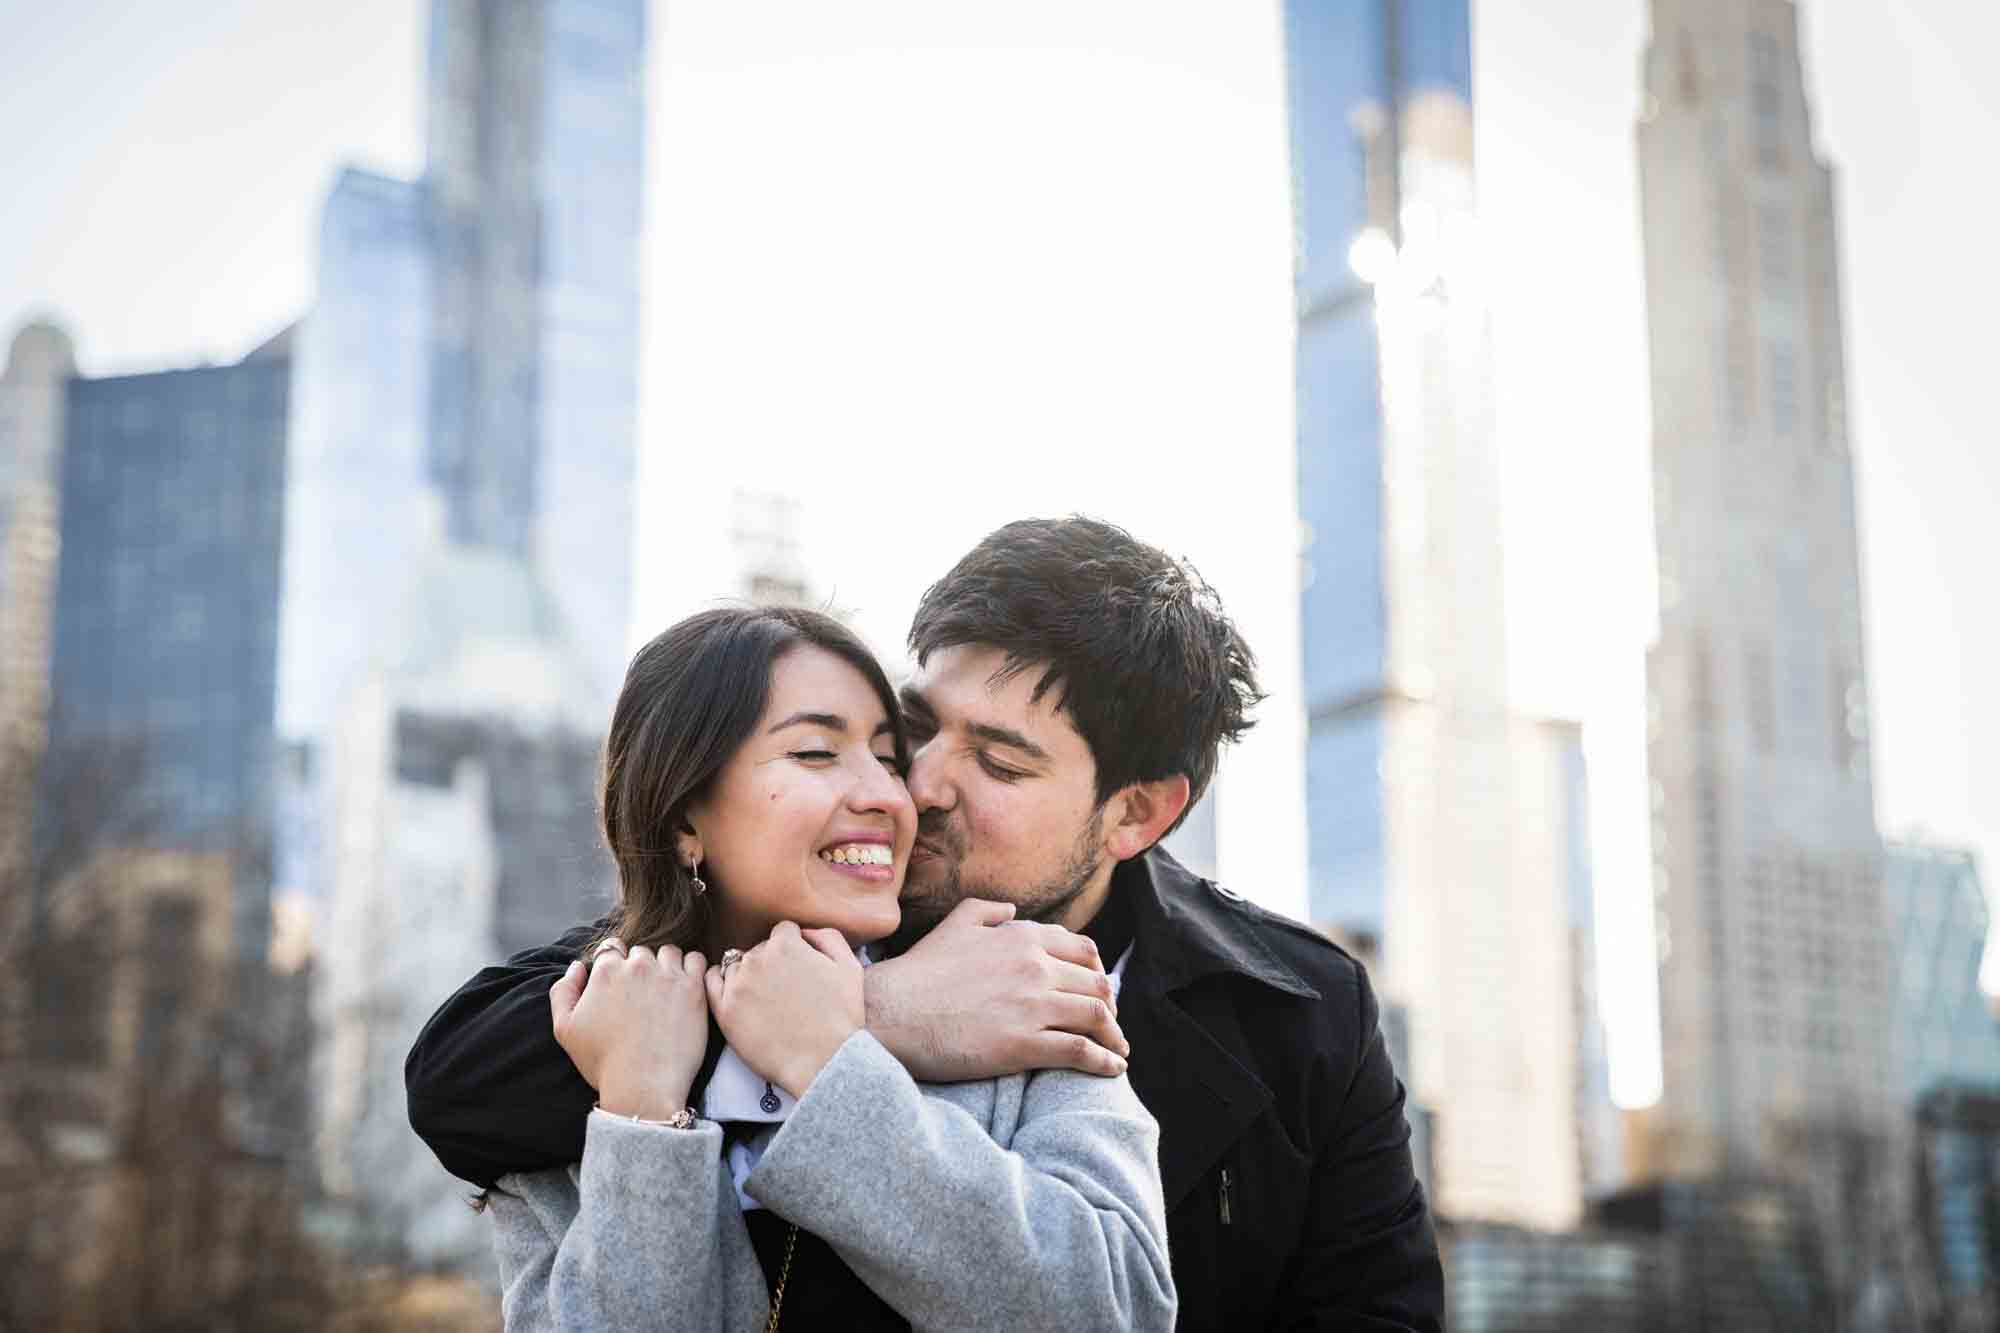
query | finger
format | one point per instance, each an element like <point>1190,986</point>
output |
<point>829,942</point>
<point>638,953</point>
<point>712,979</point>
<point>566,992</point>
<point>1071,947</point>
<point>614,945</point>
<point>1077,980</point>
<point>693,963</point>
<point>670,957</point>
<point>1087,1017</point>
<point>785,930</point>
<point>1068,1050</point>
<point>980,912</point>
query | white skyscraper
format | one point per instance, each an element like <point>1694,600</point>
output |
<point>1475,864</point>
<point>1775,966</point>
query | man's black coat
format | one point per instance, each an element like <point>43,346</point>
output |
<point>1291,1199</point>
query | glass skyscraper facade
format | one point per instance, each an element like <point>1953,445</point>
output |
<point>535,177</point>
<point>1946,1032</point>
<point>468,373</point>
<point>359,508</point>
<point>166,613</point>
<point>1447,837</point>
<point>1348,64</point>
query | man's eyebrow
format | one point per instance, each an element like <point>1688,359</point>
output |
<point>914,702</point>
<point>1009,737</point>
<point>831,721</point>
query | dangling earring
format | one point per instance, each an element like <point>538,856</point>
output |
<point>694,871</point>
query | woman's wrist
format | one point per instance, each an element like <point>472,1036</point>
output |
<point>681,1119</point>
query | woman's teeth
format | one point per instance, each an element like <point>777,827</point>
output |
<point>859,854</point>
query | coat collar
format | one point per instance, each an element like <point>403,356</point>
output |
<point>1188,928</point>
<point>1188,1065</point>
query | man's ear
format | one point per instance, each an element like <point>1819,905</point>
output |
<point>1140,815</point>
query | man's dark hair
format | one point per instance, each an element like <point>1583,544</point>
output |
<point>1151,671</point>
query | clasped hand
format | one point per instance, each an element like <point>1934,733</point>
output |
<point>635,1022</point>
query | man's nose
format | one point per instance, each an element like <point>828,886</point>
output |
<point>927,781</point>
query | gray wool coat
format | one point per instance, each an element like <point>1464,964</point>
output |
<point>1027,1202</point>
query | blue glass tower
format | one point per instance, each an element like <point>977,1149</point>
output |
<point>166,612</point>
<point>1947,1034</point>
<point>1350,64</point>
<point>535,175</point>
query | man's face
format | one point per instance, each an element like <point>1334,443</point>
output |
<point>1006,792</point>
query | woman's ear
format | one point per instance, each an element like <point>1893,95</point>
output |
<point>687,843</point>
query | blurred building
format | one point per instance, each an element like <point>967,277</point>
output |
<point>1946,1033</point>
<point>1777,983</point>
<point>1510,1280</point>
<point>458,569</point>
<point>535,184</point>
<point>1958,1200</point>
<point>165,633</point>
<point>358,504</point>
<point>1445,835</point>
<point>34,390</point>
<point>467,772</point>
<point>469,366</point>
<point>1776,977</point>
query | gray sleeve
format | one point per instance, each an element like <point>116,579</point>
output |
<point>1062,1226</point>
<point>643,1233</point>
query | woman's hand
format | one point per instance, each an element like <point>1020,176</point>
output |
<point>636,1025</point>
<point>790,1003</point>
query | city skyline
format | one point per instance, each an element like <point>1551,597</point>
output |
<point>880,388</point>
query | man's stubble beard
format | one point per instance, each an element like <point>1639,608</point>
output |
<point>1047,902</point>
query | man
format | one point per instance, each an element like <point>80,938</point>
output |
<point>1073,688</point>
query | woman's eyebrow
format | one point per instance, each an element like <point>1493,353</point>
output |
<point>831,721</point>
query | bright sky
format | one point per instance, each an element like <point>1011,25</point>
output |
<point>937,266</point>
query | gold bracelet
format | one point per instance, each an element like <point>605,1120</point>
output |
<point>681,1119</point>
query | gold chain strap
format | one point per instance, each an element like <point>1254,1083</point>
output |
<point>778,1296</point>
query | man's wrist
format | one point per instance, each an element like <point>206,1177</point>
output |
<point>641,1103</point>
<point>881,1012</point>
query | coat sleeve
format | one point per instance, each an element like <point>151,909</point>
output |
<point>644,1233</point>
<point>1063,1226</point>
<point>1368,1257</point>
<point>489,1089</point>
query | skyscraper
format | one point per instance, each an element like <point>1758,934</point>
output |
<point>1445,834</point>
<point>468,372</point>
<point>458,582</point>
<point>536,168</point>
<point>1946,1032</point>
<point>166,617</point>
<point>1776,981</point>
<point>34,391</point>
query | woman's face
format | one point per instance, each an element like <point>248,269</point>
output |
<point>809,821</point>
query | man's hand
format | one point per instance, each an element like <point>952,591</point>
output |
<point>984,995</point>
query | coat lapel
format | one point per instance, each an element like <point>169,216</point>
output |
<point>1183,1072</point>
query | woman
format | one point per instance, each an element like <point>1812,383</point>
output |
<point>754,802</point>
